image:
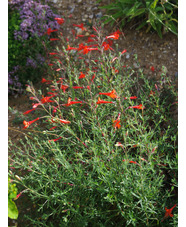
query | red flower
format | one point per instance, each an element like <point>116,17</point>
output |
<point>52,128</point>
<point>116,124</point>
<point>47,99</point>
<point>64,121</point>
<point>137,107</point>
<point>80,26</point>
<point>45,81</point>
<point>82,75</point>
<point>106,46</point>
<point>93,77</point>
<point>90,40</point>
<point>134,162</point>
<point>132,97</point>
<point>102,101</point>
<point>55,139</point>
<point>53,39</point>
<point>63,87</point>
<point>114,35</point>
<point>111,94</point>
<point>52,53</point>
<point>124,51</point>
<point>152,68</point>
<point>28,123</point>
<point>49,30</point>
<point>18,195</point>
<point>28,111</point>
<point>71,48</point>
<point>168,212</point>
<point>59,20</point>
<point>69,102</point>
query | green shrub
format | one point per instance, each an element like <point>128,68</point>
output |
<point>91,163</point>
<point>160,15</point>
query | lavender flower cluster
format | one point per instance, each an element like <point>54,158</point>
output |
<point>36,18</point>
<point>14,86</point>
<point>34,63</point>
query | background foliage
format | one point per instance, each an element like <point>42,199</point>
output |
<point>161,15</point>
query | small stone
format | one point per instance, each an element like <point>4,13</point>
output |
<point>72,9</point>
<point>79,1</point>
<point>95,8</point>
<point>99,15</point>
<point>136,65</point>
<point>91,16</point>
<point>127,56</point>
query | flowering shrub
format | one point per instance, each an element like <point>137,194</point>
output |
<point>100,150</point>
<point>28,21</point>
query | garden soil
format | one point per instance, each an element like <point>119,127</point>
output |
<point>149,47</point>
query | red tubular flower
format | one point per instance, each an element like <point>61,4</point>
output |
<point>137,107</point>
<point>46,81</point>
<point>132,97</point>
<point>168,212</point>
<point>114,35</point>
<point>54,39</point>
<point>102,101</point>
<point>111,94</point>
<point>107,46</point>
<point>90,40</point>
<point>86,49</point>
<point>69,102</point>
<point>53,128</point>
<point>49,30</point>
<point>93,77</point>
<point>59,20</point>
<point>80,26</point>
<point>28,111</point>
<point>28,123</point>
<point>47,99</point>
<point>116,124</point>
<point>82,75</point>
<point>64,121</point>
<point>52,53</point>
<point>77,87</point>
<point>71,48</point>
<point>55,139</point>
<point>124,51</point>
<point>18,195</point>
<point>63,87</point>
<point>134,162</point>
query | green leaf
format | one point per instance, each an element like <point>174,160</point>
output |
<point>139,12</point>
<point>12,210</point>
<point>153,5</point>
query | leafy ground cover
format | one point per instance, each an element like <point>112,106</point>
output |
<point>101,139</point>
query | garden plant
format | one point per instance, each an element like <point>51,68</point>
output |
<point>27,23</point>
<point>161,15</point>
<point>101,139</point>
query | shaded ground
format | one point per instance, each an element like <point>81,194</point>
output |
<point>150,49</point>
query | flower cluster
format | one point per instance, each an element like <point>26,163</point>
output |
<point>36,18</point>
<point>14,85</point>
